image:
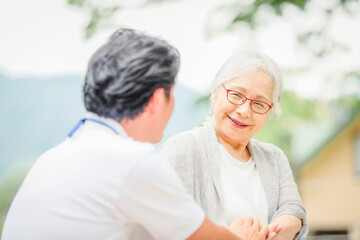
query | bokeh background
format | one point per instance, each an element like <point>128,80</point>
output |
<point>45,46</point>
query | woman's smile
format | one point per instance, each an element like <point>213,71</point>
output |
<point>237,123</point>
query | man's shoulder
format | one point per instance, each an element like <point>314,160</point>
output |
<point>110,147</point>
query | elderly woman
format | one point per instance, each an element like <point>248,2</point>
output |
<point>230,174</point>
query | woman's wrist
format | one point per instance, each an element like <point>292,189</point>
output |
<point>290,226</point>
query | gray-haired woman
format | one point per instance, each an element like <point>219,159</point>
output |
<point>230,174</point>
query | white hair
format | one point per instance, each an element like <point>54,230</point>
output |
<point>245,62</point>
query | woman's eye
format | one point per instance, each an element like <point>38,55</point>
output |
<point>235,94</point>
<point>259,104</point>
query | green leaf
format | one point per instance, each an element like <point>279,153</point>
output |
<point>77,3</point>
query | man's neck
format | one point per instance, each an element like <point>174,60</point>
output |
<point>138,129</point>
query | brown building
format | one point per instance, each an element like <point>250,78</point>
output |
<point>329,184</point>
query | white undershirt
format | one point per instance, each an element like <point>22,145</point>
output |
<point>244,194</point>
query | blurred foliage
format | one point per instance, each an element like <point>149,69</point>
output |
<point>9,185</point>
<point>242,11</point>
<point>98,14</point>
<point>159,1</point>
<point>295,110</point>
<point>350,102</point>
<point>248,14</point>
<point>101,12</point>
<point>278,130</point>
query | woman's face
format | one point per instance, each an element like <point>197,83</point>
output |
<point>237,124</point>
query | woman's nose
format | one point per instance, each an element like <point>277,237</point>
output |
<point>244,110</point>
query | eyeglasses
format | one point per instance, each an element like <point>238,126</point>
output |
<point>238,98</point>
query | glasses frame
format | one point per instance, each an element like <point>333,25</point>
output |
<point>246,98</point>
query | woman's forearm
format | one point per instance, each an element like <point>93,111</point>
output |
<point>290,226</point>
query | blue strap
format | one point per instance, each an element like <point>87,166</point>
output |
<point>82,121</point>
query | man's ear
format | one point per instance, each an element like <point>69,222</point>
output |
<point>156,100</point>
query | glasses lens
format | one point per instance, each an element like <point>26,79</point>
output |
<point>236,97</point>
<point>259,107</point>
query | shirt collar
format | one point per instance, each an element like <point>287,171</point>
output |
<point>109,121</point>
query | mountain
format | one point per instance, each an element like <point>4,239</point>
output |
<point>37,113</point>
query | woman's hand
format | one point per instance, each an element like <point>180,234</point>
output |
<point>251,229</point>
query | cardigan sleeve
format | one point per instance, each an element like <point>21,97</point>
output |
<point>289,197</point>
<point>176,151</point>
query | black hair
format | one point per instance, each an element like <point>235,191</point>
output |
<point>123,74</point>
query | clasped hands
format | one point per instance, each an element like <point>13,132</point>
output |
<point>251,229</point>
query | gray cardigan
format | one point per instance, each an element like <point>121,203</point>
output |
<point>195,156</point>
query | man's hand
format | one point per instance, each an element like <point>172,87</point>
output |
<point>274,230</point>
<point>250,229</point>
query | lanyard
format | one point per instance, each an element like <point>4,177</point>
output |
<point>82,121</point>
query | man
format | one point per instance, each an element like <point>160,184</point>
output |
<point>106,181</point>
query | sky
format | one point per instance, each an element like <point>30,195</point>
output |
<point>46,38</point>
<point>42,38</point>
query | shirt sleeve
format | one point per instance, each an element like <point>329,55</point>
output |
<point>154,197</point>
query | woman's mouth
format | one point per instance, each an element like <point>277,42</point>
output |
<point>237,124</point>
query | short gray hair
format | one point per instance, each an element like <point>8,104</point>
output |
<point>245,62</point>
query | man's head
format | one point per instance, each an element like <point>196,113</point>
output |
<point>131,79</point>
<point>124,73</point>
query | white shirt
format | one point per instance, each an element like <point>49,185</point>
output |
<point>100,185</point>
<point>243,191</point>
